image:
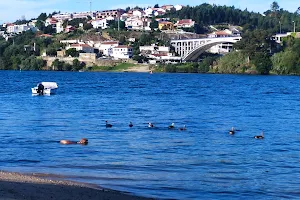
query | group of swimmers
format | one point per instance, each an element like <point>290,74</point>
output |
<point>84,141</point>
<point>150,125</point>
<point>262,136</point>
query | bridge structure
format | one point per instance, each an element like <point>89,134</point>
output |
<point>191,49</point>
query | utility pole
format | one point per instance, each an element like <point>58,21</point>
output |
<point>294,27</point>
<point>279,27</point>
<point>118,20</point>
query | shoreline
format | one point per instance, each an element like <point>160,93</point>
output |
<point>17,186</point>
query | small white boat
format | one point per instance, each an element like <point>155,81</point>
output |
<point>45,88</point>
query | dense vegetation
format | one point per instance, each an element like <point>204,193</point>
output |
<point>24,50</point>
<point>256,52</point>
<point>206,14</point>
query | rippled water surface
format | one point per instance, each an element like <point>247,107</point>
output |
<point>204,162</point>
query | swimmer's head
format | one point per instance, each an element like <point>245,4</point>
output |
<point>83,141</point>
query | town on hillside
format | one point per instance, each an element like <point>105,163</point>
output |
<point>150,35</point>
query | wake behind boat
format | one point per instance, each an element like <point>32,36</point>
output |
<point>45,88</point>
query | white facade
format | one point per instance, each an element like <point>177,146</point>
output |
<point>69,41</point>
<point>137,13</point>
<point>138,23</point>
<point>185,23</point>
<point>62,16</point>
<point>278,37</point>
<point>59,27</point>
<point>221,48</point>
<point>51,21</point>
<point>122,52</point>
<point>18,28</point>
<point>178,7</point>
<point>107,47</point>
<point>100,23</point>
<point>125,16</point>
<point>149,12</point>
<point>81,47</point>
<point>81,15</point>
<point>154,49</point>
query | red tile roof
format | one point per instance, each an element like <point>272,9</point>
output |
<point>123,46</point>
<point>221,33</point>
<point>81,45</point>
<point>110,42</point>
<point>185,21</point>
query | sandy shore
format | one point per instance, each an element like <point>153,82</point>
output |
<point>139,68</point>
<point>16,186</point>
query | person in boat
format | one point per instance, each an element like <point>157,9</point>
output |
<point>231,132</point>
<point>83,141</point>
<point>40,89</point>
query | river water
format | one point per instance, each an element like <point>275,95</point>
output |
<point>203,162</point>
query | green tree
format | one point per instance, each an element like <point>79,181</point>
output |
<point>274,7</point>
<point>58,65</point>
<point>76,65</point>
<point>40,25</point>
<point>42,17</point>
<point>153,24</point>
<point>87,26</point>
<point>72,52</point>
<point>262,63</point>
<point>49,30</point>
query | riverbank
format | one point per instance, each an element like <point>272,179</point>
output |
<point>16,186</point>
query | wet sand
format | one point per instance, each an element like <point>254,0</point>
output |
<point>16,186</point>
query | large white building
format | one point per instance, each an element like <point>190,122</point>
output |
<point>62,16</point>
<point>122,52</point>
<point>101,23</point>
<point>82,15</point>
<point>135,23</point>
<point>12,28</point>
<point>81,47</point>
<point>106,48</point>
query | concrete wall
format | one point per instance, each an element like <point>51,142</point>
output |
<point>89,62</point>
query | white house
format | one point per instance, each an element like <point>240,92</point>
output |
<point>11,28</point>
<point>185,23</point>
<point>153,49</point>
<point>100,23</point>
<point>122,52</point>
<point>167,7</point>
<point>62,16</point>
<point>81,47</point>
<point>125,16</point>
<point>134,23</point>
<point>106,48</point>
<point>279,37</point>
<point>178,7</point>
<point>51,21</point>
<point>159,12</point>
<point>69,41</point>
<point>217,34</point>
<point>149,12</point>
<point>59,27</point>
<point>81,15</point>
<point>138,13</point>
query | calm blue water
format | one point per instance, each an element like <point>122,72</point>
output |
<point>204,162</point>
